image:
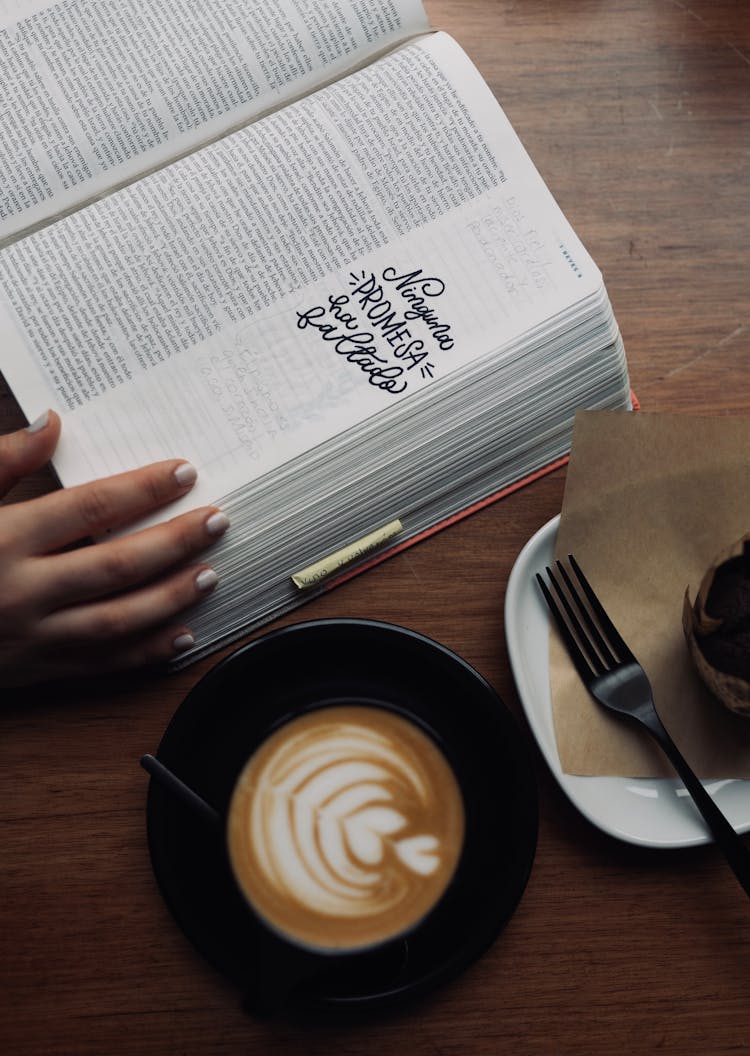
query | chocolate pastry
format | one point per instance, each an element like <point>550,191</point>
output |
<point>717,627</point>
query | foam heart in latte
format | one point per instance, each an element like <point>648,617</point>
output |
<point>345,827</point>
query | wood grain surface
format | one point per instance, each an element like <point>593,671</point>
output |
<point>637,114</point>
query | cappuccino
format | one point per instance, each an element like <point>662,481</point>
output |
<point>345,827</point>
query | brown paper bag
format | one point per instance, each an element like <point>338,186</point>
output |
<point>650,500</point>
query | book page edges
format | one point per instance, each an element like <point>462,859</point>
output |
<point>321,587</point>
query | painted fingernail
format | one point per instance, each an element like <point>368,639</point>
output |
<point>217,523</point>
<point>183,642</point>
<point>206,580</point>
<point>185,474</point>
<point>39,423</point>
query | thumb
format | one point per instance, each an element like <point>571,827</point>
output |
<point>26,450</point>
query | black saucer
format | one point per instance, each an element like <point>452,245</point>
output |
<point>304,666</point>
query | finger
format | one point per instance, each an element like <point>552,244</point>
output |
<point>64,580</point>
<point>71,660</point>
<point>66,516</point>
<point>27,450</point>
<point>111,622</point>
<point>158,647</point>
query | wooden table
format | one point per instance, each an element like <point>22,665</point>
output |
<point>637,113</point>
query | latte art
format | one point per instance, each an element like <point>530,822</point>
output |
<point>345,827</point>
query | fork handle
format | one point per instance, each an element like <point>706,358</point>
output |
<point>736,853</point>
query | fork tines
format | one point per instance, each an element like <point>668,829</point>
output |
<point>594,643</point>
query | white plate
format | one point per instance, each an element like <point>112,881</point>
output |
<point>647,811</point>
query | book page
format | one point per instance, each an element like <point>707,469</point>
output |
<point>302,276</point>
<point>97,92</point>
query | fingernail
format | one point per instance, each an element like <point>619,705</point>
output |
<point>186,474</point>
<point>38,424</point>
<point>183,642</point>
<point>217,523</point>
<point>206,580</point>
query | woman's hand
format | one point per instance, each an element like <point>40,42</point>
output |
<point>95,608</point>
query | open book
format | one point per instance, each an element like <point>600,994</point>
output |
<point>298,243</point>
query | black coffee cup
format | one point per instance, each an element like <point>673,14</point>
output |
<point>296,671</point>
<point>285,968</point>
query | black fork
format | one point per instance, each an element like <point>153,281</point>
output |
<point>614,678</point>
